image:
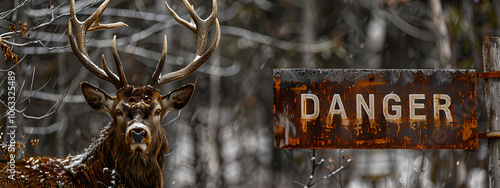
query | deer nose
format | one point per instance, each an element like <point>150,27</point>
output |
<point>138,135</point>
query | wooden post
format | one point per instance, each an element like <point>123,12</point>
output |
<point>491,62</point>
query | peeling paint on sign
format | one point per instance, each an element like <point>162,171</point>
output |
<point>368,109</point>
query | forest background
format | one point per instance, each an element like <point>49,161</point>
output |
<point>223,138</point>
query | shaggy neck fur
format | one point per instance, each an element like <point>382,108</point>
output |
<point>103,164</point>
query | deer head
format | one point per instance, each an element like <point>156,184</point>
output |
<point>136,112</point>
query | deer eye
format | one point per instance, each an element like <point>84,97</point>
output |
<point>118,112</point>
<point>158,112</point>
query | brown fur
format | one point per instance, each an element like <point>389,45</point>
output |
<point>108,161</point>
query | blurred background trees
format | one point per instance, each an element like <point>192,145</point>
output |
<point>223,138</point>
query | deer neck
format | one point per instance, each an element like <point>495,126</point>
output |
<point>114,166</point>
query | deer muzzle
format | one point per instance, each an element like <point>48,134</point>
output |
<point>138,136</point>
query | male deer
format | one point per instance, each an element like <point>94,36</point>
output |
<point>131,149</point>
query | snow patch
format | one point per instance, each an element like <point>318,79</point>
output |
<point>77,161</point>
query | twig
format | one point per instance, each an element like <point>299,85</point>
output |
<point>178,115</point>
<point>6,13</point>
<point>172,152</point>
<point>315,164</point>
<point>271,41</point>
<point>348,161</point>
<point>51,111</point>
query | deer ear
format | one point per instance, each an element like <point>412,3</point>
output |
<point>178,98</point>
<point>96,98</point>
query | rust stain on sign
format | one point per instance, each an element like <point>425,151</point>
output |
<point>368,109</point>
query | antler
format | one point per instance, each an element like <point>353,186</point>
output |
<point>78,44</point>
<point>198,26</point>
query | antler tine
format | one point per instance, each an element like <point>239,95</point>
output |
<point>200,27</point>
<point>122,80</point>
<point>197,25</point>
<point>188,25</point>
<point>118,63</point>
<point>159,67</point>
<point>78,44</point>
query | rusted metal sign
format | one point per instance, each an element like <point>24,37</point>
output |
<point>367,109</point>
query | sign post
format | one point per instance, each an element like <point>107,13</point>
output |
<point>375,109</point>
<point>491,62</point>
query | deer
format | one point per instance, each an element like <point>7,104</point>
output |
<point>130,150</point>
